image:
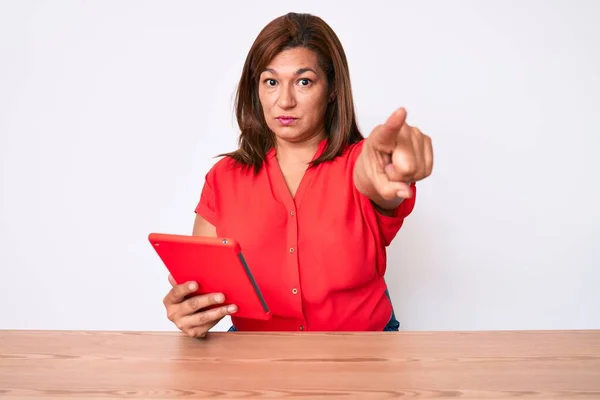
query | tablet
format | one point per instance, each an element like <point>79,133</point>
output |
<point>217,265</point>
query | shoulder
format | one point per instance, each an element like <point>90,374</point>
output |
<point>226,167</point>
<point>350,153</point>
<point>354,149</point>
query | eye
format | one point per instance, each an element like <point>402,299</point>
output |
<point>304,82</point>
<point>270,82</point>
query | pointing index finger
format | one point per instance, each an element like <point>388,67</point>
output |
<point>397,119</point>
<point>385,135</point>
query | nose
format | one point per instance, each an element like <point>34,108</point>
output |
<point>287,98</point>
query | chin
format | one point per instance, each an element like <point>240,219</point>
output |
<point>290,134</point>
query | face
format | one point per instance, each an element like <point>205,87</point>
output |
<point>293,92</point>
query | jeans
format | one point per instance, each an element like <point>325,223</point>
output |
<point>392,326</point>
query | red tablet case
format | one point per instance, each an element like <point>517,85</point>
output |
<point>217,265</point>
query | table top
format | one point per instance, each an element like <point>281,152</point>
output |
<point>169,365</point>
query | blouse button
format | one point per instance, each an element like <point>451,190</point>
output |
<point>291,249</point>
<point>292,213</point>
<point>295,291</point>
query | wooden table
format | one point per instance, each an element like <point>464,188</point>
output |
<point>440,365</point>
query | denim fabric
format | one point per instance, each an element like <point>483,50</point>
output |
<point>392,326</point>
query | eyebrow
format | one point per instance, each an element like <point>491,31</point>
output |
<point>298,72</point>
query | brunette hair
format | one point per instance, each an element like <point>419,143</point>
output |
<point>286,32</point>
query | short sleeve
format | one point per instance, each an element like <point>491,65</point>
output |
<point>206,206</point>
<point>390,225</point>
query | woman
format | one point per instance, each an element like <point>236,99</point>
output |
<point>313,204</point>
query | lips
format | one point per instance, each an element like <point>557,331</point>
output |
<point>286,120</point>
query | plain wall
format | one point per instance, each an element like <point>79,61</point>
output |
<point>111,113</point>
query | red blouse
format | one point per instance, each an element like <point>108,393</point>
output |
<point>319,258</point>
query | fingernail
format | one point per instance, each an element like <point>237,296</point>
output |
<point>192,286</point>
<point>231,308</point>
<point>219,298</point>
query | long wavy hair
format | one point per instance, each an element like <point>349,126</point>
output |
<point>286,32</point>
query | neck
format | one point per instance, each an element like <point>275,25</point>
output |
<point>302,151</point>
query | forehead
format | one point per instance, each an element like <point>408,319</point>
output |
<point>291,60</point>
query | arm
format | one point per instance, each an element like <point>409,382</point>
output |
<point>392,157</point>
<point>203,228</point>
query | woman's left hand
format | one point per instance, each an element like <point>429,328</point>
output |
<point>394,155</point>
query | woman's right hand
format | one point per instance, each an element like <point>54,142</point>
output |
<point>189,314</point>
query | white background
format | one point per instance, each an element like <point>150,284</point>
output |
<point>111,113</point>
